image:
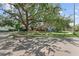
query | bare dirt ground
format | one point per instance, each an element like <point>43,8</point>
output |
<point>38,46</point>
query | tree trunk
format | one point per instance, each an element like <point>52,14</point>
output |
<point>27,21</point>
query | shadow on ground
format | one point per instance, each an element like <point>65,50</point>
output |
<point>37,46</point>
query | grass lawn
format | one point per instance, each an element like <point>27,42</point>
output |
<point>49,34</point>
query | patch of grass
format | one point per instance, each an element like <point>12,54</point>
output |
<point>49,34</point>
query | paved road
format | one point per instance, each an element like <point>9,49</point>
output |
<point>4,34</point>
<point>70,46</point>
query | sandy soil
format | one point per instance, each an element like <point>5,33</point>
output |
<point>38,46</point>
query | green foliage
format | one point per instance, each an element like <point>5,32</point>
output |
<point>17,25</point>
<point>32,14</point>
<point>5,21</point>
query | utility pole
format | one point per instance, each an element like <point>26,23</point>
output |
<point>74,21</point>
